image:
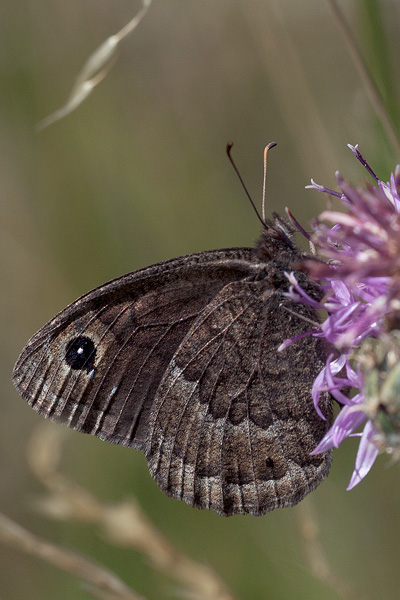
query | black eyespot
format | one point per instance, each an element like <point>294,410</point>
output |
<point>80,353</point>
<point>269,463</point>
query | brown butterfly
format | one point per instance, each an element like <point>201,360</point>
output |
<point>180,360</point>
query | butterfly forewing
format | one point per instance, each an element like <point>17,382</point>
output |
<point>97,365</point>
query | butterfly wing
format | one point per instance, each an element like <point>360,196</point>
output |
<point>233,423</point>
<point>98,364</point>
<point>180,360</point>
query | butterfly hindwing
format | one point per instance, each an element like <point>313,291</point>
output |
<point>232,428</point>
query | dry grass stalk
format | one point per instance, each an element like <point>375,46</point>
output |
<point>317,560</point>
<point>95,69</point>
<point>100,582</point>
<point>123,524</point>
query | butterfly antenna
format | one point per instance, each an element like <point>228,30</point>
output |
<point>268,147</point>
<point>228,151</point>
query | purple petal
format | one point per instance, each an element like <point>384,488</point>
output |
<point>340,218</point>
<point>359,157</point>
<point>346,422</point>
<point>366,455</point>
<point>319,383</point>
<point>299,295</point>
<point>325,444</point>
<point>332,386</point>
<point>321,188</point>
<point>290,341</point>
<point>342,292</point>
<point>386,189</point>
<point>355,378</point>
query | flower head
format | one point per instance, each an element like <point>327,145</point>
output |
<point>358,267</point>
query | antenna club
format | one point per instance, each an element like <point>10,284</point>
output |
<point>229,147</point>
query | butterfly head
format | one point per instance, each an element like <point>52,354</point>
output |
<point>281,255</point>
<point>276,242</point>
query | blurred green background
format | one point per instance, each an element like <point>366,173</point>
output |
<point>139,174</point>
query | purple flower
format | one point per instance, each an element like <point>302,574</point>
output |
<point>358,267</point>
